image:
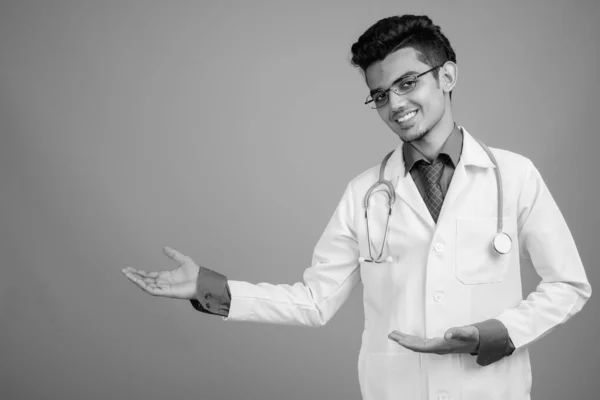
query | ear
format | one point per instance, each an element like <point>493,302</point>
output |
<point>448,75</point>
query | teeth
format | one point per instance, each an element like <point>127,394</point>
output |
<point>407,116</point>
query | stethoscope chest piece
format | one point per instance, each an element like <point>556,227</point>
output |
<point>502,243</point>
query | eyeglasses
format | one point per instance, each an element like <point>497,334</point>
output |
<point>405,85</point>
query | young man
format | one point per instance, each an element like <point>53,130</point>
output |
<point>437,234</point>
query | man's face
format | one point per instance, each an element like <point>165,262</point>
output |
<point>424,105</point>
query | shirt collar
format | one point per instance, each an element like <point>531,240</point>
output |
<point>452,148</point>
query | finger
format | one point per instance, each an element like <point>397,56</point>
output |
<point>155,288</point>
<point>144,274</point>
<point>153,281</point>
<point>464,339</point>
<point>150,281</point>
<point>139,276</point>
<point>145,277</point>
<point>131,271</point>
<point>462,333</point>
<point>141,281</point>
<point>137,280</point>
<point>154,275</point>
<point>139,272</point>
<point>452,333</point>
<point>174,254</point>
<point>409,341</point>
<point>418,344</point>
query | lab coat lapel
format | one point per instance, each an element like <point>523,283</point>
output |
<point>457,186</point>
<point>406,190</point>
<point>472,155</point>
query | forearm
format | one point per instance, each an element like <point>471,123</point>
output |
<point>307,303</point>
<point>552,304</point>
<point>546,244</point>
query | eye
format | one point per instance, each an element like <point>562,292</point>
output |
<point>407,84</point>
<point>380,97</point>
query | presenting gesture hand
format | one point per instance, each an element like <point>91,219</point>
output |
<point>462,339</point>
<point>179,283</point>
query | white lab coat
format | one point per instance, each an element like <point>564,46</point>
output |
<point>442,275</point>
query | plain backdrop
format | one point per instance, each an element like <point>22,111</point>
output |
<point>229,130</point>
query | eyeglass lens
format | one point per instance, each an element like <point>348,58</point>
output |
<point>400,88</point>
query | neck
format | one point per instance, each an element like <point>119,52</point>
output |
<point>431,144</point>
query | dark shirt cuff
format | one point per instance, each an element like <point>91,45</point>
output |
<point>494,342</point>
<point>213,293</point>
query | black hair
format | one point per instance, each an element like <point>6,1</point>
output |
<point>394,33</point>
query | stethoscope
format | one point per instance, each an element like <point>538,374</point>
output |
<point>502,241</point>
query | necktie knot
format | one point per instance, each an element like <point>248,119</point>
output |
<point>432,172</point>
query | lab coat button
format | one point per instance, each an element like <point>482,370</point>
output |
<point>438,247</point>
<point>207,305</point>
<point>439,296</point>
<point>207,296</point>
<point>443,396</point>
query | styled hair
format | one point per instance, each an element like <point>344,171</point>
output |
<point>394,33</point>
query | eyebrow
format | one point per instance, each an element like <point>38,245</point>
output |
<point>408,73</point>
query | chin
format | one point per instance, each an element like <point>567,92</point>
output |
<point>412,134</point>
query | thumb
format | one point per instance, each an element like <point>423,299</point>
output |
<point>175,255</point>
<point>459,333</point>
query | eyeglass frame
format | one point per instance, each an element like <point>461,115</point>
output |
<point>414,78</point>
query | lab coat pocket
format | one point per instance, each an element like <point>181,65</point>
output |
<point>392,376</point>
<point>476,260</point>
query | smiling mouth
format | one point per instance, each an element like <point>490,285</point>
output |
<point>407,117</point>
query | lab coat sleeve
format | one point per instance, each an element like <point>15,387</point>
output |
<point>545,242</point>
<point>326,284</point>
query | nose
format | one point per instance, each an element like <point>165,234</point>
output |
<point>395,100</point>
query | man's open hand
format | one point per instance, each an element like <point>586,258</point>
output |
<point>179,283</point>
<point>464,339</point>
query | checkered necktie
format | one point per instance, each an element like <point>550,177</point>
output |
<point>434,197</point>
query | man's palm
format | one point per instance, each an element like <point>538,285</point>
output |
<point>462,339</point>
<point>179,283</point>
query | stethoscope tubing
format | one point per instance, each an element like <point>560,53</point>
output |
<point>500,201</point>
<point>501,242</point>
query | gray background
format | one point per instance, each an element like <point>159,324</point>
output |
<point>229,131</point>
